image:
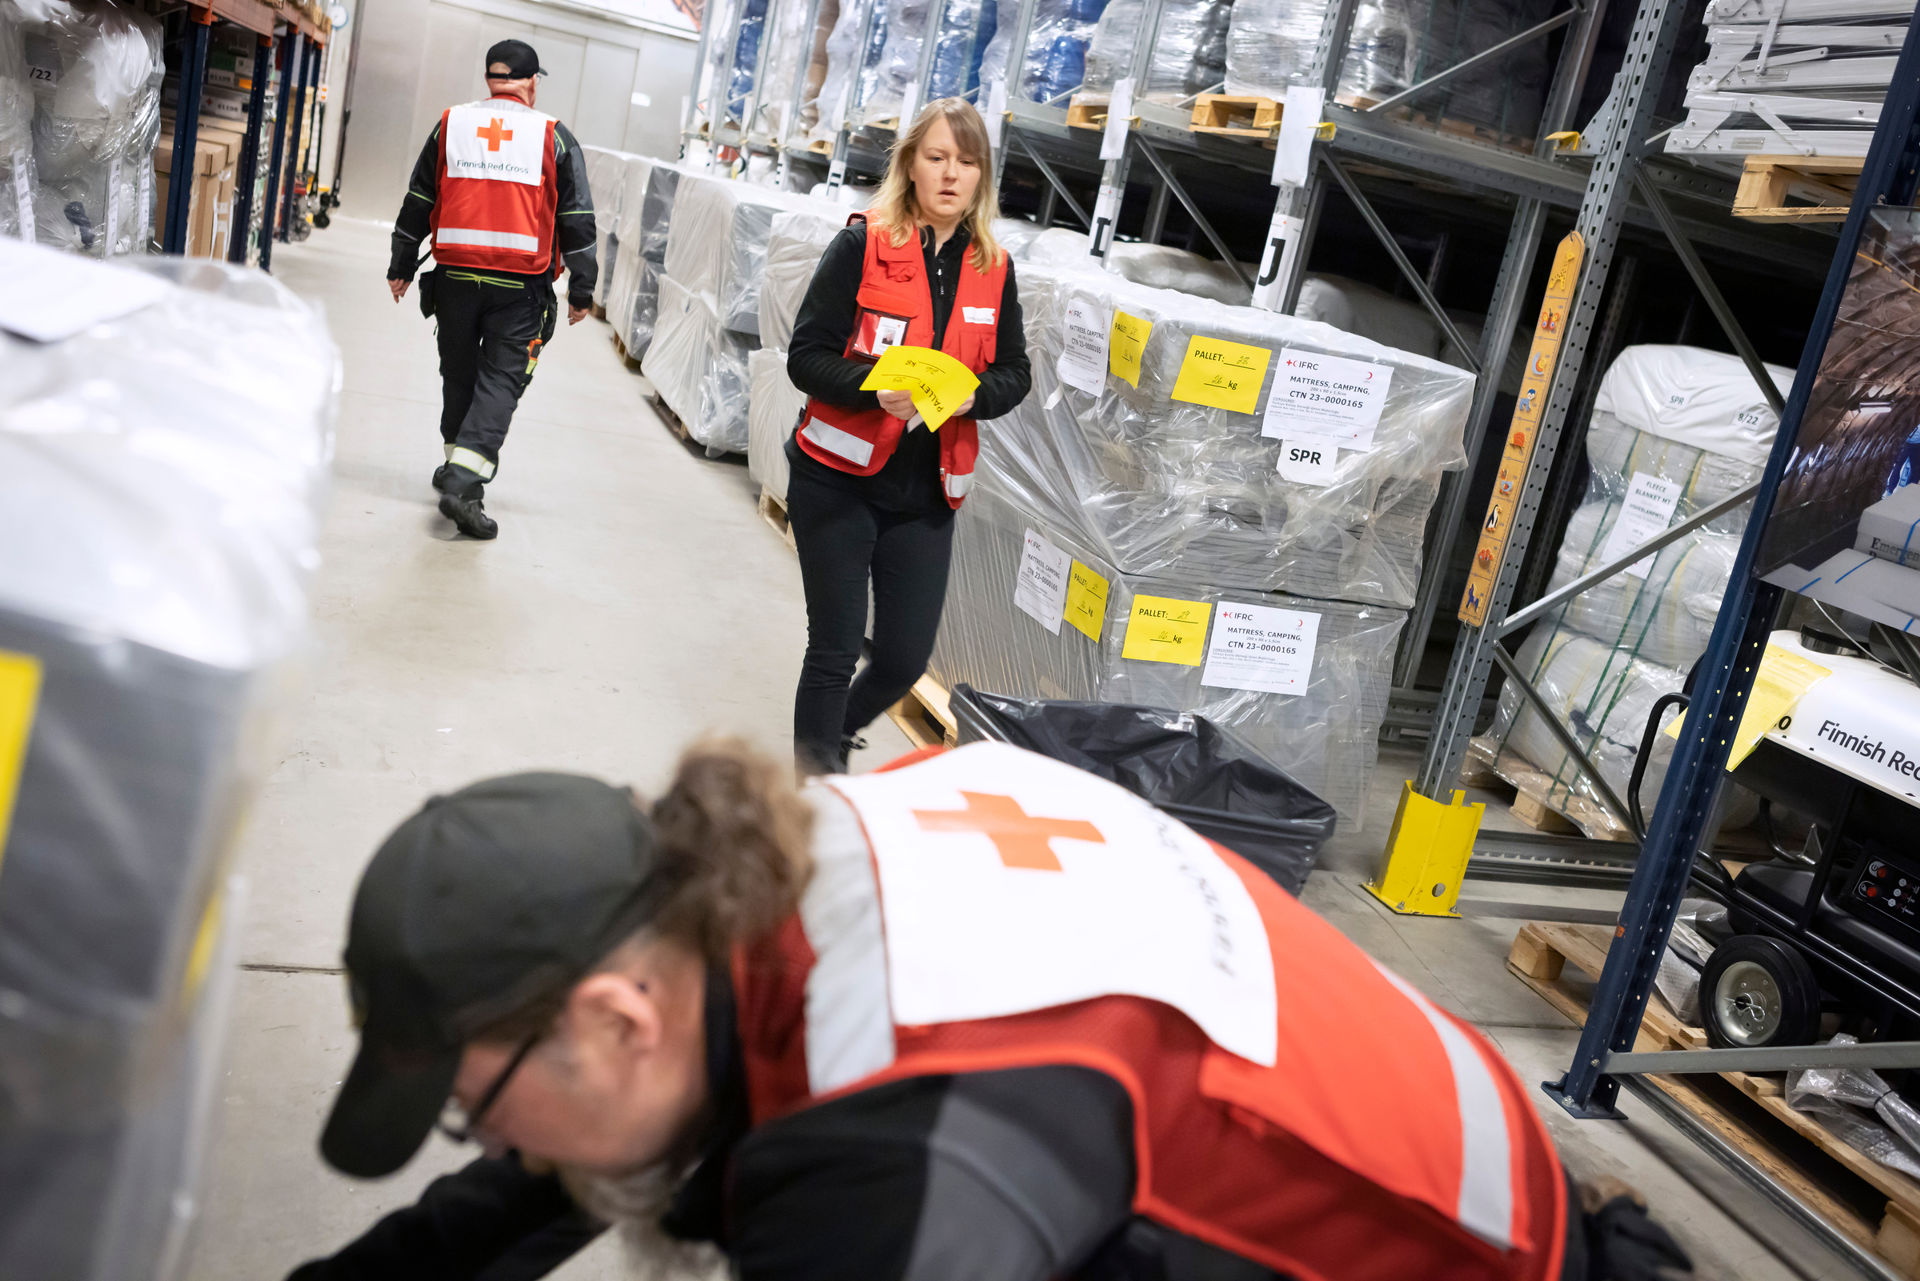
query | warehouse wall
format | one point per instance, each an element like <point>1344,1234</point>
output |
<point>615,83</point>
<point>336,89</point>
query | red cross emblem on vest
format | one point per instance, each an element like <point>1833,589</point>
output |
<point>1021,839</point>
<point>495,133</point>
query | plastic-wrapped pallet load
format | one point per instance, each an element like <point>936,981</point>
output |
<point>162,540</point>
<point>646,213</point>
<point>966,28</point>
<point>1189,55</point>
<point>1057,44</point>
<point>1035,611</point>
<point>1241,447</point>
<point>773,409</point>
<point>607,180</point>
<point>16,134</point>
<point>795,242</point>
<point>95,68</point>
<point>853,73</point>
<point>1674,431</point>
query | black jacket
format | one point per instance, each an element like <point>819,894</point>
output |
<point>818,365</point>
<point>573,232</point>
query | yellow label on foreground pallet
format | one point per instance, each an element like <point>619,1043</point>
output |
<point>1164,630</point>
<point>19,694</point>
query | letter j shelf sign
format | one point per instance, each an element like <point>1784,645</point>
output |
<point>1509,486</point>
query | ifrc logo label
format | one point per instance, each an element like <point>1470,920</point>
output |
<point>498,141</point>
<point>1010,883</point>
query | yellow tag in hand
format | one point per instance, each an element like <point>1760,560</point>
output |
<point>1162,630</point>
<point>938,383</point>
<point>1222,374</point>
<point>1783,677</point>
<point>1086,600</point>
<point>1126,343</point>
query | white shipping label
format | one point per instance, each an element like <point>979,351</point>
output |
<point>23,194</point>
<point>1307,462</point>
<point>1010,882</point>
<point>1327,397</point>
<point>1113,143</point>
<point>1083,353</point>
<point>1299,123</point>
<point>1647,512</point>
<point>996,113</point>
<point>1041,590</point>
<point>1260,648</point>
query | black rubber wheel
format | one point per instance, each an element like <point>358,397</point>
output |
<point>1758,991</point>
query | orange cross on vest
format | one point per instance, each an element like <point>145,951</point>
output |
<point>1023,841</point>
<point>494,133</point>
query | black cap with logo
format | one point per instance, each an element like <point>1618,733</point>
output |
<point>520,59</point>
<point>477,907</point>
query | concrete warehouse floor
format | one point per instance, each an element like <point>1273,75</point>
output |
<point>634,600</point>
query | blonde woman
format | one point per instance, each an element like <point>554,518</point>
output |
<point>873,492</point>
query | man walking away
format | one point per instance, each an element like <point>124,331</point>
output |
<point>501,190</point>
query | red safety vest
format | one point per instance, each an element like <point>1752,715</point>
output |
<point>896,307</point>
<point>498,196</point>
<point>990,909</point>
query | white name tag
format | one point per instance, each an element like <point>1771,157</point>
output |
<point>497,142</point>
<point>978,315</point>
<point>1011,883</point>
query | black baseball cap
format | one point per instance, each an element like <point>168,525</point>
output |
<point>504,894</point>
<point>520,58</point>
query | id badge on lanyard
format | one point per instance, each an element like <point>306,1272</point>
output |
<point>875,331</point>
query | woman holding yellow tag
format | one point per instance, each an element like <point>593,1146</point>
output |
<point>876,480</point>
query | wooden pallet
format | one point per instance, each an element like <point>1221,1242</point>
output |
<point>599,312</point>
<point>925,715</point>
<point>1825,183</point>
<point>1230,115</point>
<point>774,512</point>
<point>1870,1204</point>
<point>1087,111</point>
<point>671,419</point>
<point>620,347</point>
<point>1538,801</point>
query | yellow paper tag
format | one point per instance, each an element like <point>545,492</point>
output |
<point>938,383</point>
<point>1783,677</point>
<point>1126,344</point>
<point>1222,374</point>
<point>19,694</point>
<point>1163,630</point>
<point>1086,600</point>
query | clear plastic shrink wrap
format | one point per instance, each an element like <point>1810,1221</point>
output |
<point>1858,1105</point>
<point>95,70</point>
<point>1674,431</point>
<point>161,536</point>
<point>795,241</point>
<point>16,133</point>
<point>1163,483</point>
<point>1189,54</point>
<point>699,369</point>
<point>646,212</point>
<point>1326,737</point>
<point>1057,44</point>
<point>774,406</point>
<point>607,180</point>
<point>853,74</point>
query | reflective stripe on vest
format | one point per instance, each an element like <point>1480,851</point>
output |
<point>491,239</point>
<point>844,443</point>
<point>1486,1148</point>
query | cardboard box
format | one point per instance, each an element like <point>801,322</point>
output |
<point>207,222</point>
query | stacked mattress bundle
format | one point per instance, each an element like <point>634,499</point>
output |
<point>794,244</point>
<point>1675,430</point>
<point>1791,77</point>
<point>607,180</point>
<point>872,84</point>
<point>1245,495</point>
<point>1189,51</point>
<point>709,302</point>
<point>164,536</point>
<point>1057,46</point>
<point>640,250</point>
<point>79,118</point>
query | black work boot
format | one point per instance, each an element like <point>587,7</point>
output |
<point>460,494</point>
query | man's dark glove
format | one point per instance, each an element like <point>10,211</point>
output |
<point>1623,1244</point>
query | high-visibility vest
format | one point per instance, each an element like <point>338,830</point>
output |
<point>498,199</point>
<point>896,307</point>
<point>1293,1102</point>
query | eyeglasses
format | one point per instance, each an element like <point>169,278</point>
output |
<point>461,1125</point>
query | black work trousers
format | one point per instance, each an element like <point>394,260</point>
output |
<point>491,329</point>
<point>845,542</point>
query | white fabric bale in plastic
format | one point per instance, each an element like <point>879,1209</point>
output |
<point>774,406</point>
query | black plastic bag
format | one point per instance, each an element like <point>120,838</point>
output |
<point>1207,777</point>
